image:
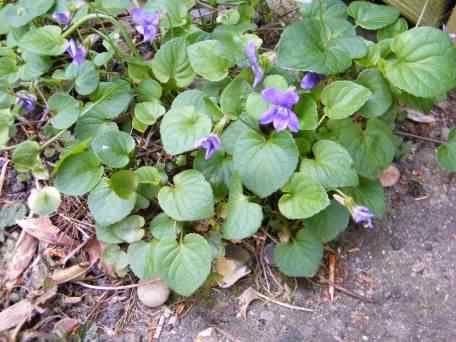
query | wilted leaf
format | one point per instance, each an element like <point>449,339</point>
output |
<point>231,271</point>
<point>23,255</point>
<point>70,273</point>
<point>16,314</point>
<point>44,230</point>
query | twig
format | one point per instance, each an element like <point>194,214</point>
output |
<point>3,175</point>
<point>346,291</point>
<point>419,137</point>
<point>423,10</point>
<point>286,305</point>
<point>114,288</point>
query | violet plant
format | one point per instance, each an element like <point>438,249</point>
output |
<point>157,120</point>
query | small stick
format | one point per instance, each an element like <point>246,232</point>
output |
<point>346,291</point>
<point>423,10</point>
<point>3,175</point>
<point>332,275</point>
<point>410,135</point>
<point>114,288</point>
<point>286,305</point>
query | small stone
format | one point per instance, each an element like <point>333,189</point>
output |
<point>396,243</point>
<point>153,294</point>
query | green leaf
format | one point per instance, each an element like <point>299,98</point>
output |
<point>46,40</point>
<point>331,8</point>
<point>78,174</point>
<point>142,259</point>
<point>124,183</point>
<point>369,193</point>
<point>446,154</point>
<point>129,229</point>
<point>149,90</point>
<point>303,197</point>
<point>329,223</point>
<point>276,81</point>
<point>332,166</point>
<point>87,78</point>
<point>231,135</point>
<point>147,114</point>
<point>116,259</point>
<point>300,257</point>
<point>343,98</point>
<point>113,148</point>
<point>10,213</point>
<point>35,66</point>
<point>6,122</point>
<point>190,199</point>
<point>67,110</point>
<point>92,124</point>
<point>26,156</point>
<point>208,60</point>
<point>381,99</point>
<point>424,63</point>
<point>106,235</point>
<point>181,128</point>
<point>150,175</point>
<point>217,170</point>
<point>256,106</point>
<point>106,206</point>
<point>244,217</point>
<point>233,96</point>
<point>391,31</point>
<point>372,150</point>
<point>371,16</point>
<point>44,201</point>
<point>171,63</point>
<point>112,98</point>
<point>307,112</point>
<point>184,266</point>
<point>305,46</point>
<point>265,163</point>
<point>24,11</point>
<point>163,226</point>
<point>174,12</point>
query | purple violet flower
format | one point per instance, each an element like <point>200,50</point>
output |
<point>280,114</point>
<point>26,102</point>
<point>250,51</point>
<point>311,80</point>
<point>63,18</point>
<point>362,215</point>
<point>211,144</point>
<point>146,23</point>
<point>76,51</point>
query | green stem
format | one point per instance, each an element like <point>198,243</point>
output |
<point>54,138</point>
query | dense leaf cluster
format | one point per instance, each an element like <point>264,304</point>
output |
<point>243,142</point>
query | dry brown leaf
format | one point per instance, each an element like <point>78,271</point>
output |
<point>417,116</point>
<point>390,176</point>
<point>44,230</point>
<point>245,299</point>
<point>70,273</point>
<point>231,271</point>
<point>16,314</point>
<point>94,249</point>
<point>66,326</point>
<point>23,255</point>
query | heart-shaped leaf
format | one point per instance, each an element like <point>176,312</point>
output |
<point>371,16</point>
<point>381,99</point>
<point>142,259</point>
<point>303,198</point>
<point>190,199</point>
<point>113,147</point>
<point>111,98</point>
<point>181,128</point>
<point>332,166</point>
<point>343,98</point>
<point>244,217</point>
<point>208,60</point>
<point>44,201</point>
<point>67,110</point>
<point>265,163</point>
<point>300,257</point>
<point>184,265</point>
<point>163,226</point>
<point>46,40</point>
<point>124,183</point>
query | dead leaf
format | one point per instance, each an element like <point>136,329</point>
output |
<point>70,273</point>
<point>231,271</point>
<point>417,116</point>
<point>23,255</point>
<point>16,314</point>
<point>94,249</point>
<point>66,326</point>
<point>208,335</point>
<point>44,230</point>
<point>71,300</point>
<point>245,299</point>
<point>3,175</point>
<point>390,176</point>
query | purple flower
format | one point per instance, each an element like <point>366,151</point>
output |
<point>250,51</point>
<point>26,102</point>
<point>211,144</point>
<point>280,114</point>
<point>311,80</point>
<point>362,215</point>
<point>146,23</point>
<point>76,51</point>
<point>63,18</point>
